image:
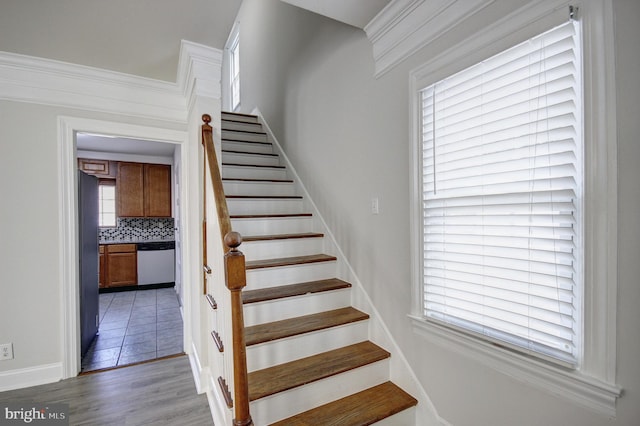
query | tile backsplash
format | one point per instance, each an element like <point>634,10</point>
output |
<point>138,230</point>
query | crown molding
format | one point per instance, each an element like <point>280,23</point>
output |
<point>199,71</point>
<point>49,82</point>
<point>405,26</point>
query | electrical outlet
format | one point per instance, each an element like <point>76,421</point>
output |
<point>6,351</point>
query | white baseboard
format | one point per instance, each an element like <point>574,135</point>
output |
<point>196,369</point>
<point>219,412</point>
<point>31,376</point>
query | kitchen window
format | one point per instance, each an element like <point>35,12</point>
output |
<point>106,203</point>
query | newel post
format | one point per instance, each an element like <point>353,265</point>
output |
<point>235,276</point>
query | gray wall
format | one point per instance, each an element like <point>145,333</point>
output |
<point>347,135</point>
<point>272,34</point>
<point>30,285</point>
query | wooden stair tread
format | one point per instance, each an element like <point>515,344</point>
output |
<point>253,132</point>
<point>283,291</point>
<point>360,409</point>
<point>253,165</point>
<point>239,113</point>
<point>244,141</point>
<point>268,216</point>
<point>230,120</point>
<point>229,151</point>
<point>296,373</point>
<point>269,197</point>
<point>257,180</point>
<point>270,331</point>
<point>289,261</point>
<point>251,238</point>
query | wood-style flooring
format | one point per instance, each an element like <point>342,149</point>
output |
<point>155,393</point>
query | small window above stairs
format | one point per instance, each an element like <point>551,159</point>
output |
<point>309,356</point>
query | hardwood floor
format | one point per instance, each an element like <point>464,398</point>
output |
<point>156,393</point>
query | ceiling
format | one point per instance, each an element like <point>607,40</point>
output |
<point>139,37</point>
<point>353,12</point>
<point>118,145</point>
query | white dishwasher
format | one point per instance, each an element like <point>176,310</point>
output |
<point>156,262</point>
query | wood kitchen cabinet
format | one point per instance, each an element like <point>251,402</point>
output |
<point>120,265</point>
<point>143,190</point>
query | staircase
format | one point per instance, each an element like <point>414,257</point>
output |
<point>308,355</point>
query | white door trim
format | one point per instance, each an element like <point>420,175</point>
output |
<point>68,222</point>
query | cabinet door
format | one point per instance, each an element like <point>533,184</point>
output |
<point>122,265</point>
<point>157,190</point>
<point>94,167</point>
<point>130,190</point>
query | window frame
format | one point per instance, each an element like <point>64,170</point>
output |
<point>109,183</point>
<point>593,383</point>
<point>232,50</point>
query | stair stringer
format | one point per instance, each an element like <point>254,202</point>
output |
<point>400,371</point>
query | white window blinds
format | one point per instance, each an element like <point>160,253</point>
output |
<point>501,180</point>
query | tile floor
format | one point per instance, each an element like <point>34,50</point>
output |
<point>135,326</point>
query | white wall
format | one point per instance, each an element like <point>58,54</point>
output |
<point>347,135</point>
<point>271,35</point>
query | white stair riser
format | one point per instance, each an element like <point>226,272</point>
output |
<point>244,136</point>
<point>258,188</point>
<point>403,418</point>
<point>263,148</point>
<point>264,206</point>
<point>268,354</point>
<point>244,172</point>
<point>237,117</point>
<point>247,127</point>
<point>270,226</point>
<point>250,159</point>
<point>270,277</point>
<point>290,307</point>
<point>285,404</point>
<point>258,250</point>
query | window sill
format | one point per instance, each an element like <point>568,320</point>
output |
<point>573,385</point>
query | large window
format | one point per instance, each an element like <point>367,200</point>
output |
<point>502,187</point>
<point>234,73</point>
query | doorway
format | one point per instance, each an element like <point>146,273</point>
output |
<point>139,317</point>
<point>69,129</point>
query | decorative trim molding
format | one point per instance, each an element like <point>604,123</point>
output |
<point>48,82</point>
<point>405,26</point>
<point>199,72</point>
<point>32,376</point>
<point>67,202</point>
<point>584,390</point>
<point>197,371</point>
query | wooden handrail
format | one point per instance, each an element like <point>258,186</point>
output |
<point>235,277</point>
<point>216,179</point>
